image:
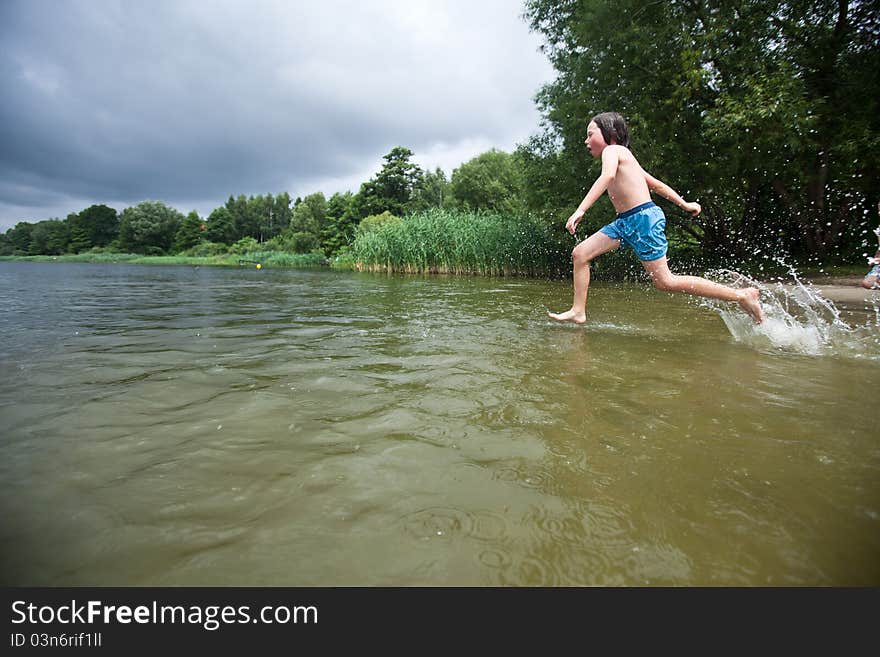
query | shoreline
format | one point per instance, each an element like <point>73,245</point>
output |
<point>843,280</point>
<point>834,282</point>
<point>262,258</point>
<point>843,288</point>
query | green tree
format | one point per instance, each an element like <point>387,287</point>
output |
<point>19,238</point>
<point>221,226</point>
<point>97,225</point>
<point>393,189</point>
<point>261,211</point>
<point>244,223</point>
<point>307,223</point>
<point>737,103</point>
<point>191,232</point>
<point>491,181</point>
<point>340,223</point>
<point>309,214</point>
<point>40,234</point>
<point>50,237</point>
<point>149,227</point>
<point>818,88</point>
<point>280,214</point>
<point>549,182</point>
<point>433,192</point>
<point>80,237</point>
<point>260,217</point>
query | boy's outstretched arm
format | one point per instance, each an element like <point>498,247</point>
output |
<point>670,194</point>
<point>610,160</point>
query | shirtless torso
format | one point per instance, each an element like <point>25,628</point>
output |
<point>628,187</point>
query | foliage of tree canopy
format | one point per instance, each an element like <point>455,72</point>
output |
<point>148,227</point>
<point>491,181</point>
<point>50,237</point>
<point>433,192</point>
<point>97,225</point>
<point>766,112</point>
<point>394,188</point>
<point>192,230</point>
<point>260,217</point>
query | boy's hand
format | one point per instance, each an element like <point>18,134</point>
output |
<point>874,261</point>
<point>692,209</point>
<point>573,221</point>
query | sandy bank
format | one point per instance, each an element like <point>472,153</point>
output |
<point>845,290</point>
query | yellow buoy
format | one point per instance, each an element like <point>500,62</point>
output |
<point>259,266</point>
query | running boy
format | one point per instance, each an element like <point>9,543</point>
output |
<point>640,224</point>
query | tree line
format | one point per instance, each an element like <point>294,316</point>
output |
<point>491,181</point>
<point>766,112</point>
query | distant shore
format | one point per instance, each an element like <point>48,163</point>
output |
<point>262,258</point>
<point>838,283</point>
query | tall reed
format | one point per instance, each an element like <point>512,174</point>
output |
<point>457,242</point>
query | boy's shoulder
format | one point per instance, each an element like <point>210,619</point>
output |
<point>621,152</point>
<point>617,150</point>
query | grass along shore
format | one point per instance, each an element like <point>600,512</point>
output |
<point>454,242</point>
<point>263,258</point>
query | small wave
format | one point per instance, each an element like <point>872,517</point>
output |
<point>602,327</point>
<point>610,327</point>
<point>798,319</point>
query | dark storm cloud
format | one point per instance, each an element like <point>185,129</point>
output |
<point>188,102</point>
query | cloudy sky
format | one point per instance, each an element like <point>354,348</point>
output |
<point>189,101</point>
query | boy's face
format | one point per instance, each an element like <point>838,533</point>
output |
<point>595,141</point>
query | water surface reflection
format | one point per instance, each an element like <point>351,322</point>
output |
<point>181,426</point>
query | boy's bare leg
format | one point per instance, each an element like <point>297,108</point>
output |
<point>664,279</point>
<point>592,247</point>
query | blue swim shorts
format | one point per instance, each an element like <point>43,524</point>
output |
<point>642,229</point>
<point>875,271</point>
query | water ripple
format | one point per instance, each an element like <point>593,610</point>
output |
<point>172,426</point>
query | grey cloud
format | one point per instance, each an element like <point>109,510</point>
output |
<point>195,100</point>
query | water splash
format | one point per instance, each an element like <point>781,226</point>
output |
<point>798,319</point>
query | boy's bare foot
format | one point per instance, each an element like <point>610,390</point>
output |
<point>748,301</point>
<point>569,316</point>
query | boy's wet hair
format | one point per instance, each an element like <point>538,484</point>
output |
<point>613,127</point>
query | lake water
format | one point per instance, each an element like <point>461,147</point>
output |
<point>209,426</point>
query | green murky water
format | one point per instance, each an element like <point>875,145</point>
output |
<point>202,426</point>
